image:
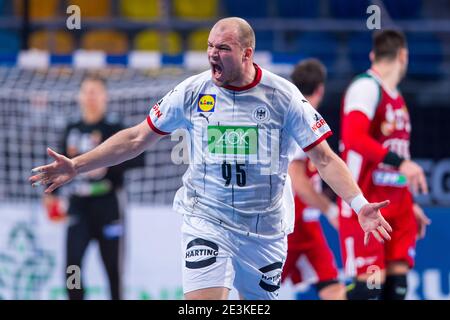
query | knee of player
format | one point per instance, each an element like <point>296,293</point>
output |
<point>331,290</point>
<point>395,287</point>
<point>363,290</point>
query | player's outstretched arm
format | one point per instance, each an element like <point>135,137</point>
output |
<point>336,174</point>
<point>124,145</point>
<point>304,188</point>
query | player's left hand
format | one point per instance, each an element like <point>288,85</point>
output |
<point>422,220</point>
<point>55,174</point>
<point>372,222</point>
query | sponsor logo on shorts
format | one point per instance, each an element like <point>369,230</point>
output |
<point>201,253</point>
<point>233,140</point>
<point>206,102</point>
<point>388,178</point>
<point>271,277</point>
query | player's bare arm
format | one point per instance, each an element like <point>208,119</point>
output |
<point>122,146</point>
<point>336,174</point>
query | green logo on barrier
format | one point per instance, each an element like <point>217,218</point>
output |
<point>24,265</point>
<point>233,140</point>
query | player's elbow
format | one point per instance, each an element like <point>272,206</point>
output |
<point>136,141</point>
<point>351,139</point>
<point>304,192</point>
<point>353,143</point>
<point>323,158</point>
<point>142,137</point>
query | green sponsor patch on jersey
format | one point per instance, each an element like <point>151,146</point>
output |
<point>233,140</point>
<point>387,178</point>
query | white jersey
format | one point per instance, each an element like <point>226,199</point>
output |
<point>239,140</point>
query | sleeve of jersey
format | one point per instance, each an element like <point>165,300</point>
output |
<point>355,136</point>
<point>362,95</point>
<point>305,124</point>
<point>167,114</point>
<point>360,104</point>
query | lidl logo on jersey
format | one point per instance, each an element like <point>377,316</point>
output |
<point>206,102</point>
<point>233,140</point>
<point>389,179</point>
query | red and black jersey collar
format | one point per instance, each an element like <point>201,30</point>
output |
<point>255,81</point>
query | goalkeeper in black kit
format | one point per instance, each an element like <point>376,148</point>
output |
<point>95,210</point>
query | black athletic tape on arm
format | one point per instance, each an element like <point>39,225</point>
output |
<point>393,159</point>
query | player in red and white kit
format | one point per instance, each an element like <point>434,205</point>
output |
<point>309,257</point>
<point>375,139</point>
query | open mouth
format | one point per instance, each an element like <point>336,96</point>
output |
<point>216,70</point>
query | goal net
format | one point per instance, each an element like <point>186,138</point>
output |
<point>35,106</point>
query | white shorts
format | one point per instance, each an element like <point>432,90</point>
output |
<point>218,257</point>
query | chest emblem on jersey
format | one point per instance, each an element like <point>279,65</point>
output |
<point>78,142</point>
<point>233,140</point>
<point>261,114</point>
<point>206,102</point>
<point>395,119</point>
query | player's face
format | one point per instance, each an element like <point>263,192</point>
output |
<point>93,98</point>
<point>225,56</point>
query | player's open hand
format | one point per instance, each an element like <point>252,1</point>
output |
<point>422,221</point>
<point>415,176</point>
<point>55,174</point>
<point>372,222</point>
